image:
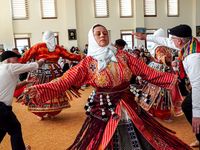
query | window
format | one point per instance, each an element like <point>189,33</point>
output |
<point>22,41</point>
<point>150,8</point>
<point>172,8</point>
<point>19,9</point>
<point>127,36</point>
<point>101,8</point>
<point>126,8</point>
<point>48,9</point>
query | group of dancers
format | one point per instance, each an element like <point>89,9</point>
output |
<point>120,111</point>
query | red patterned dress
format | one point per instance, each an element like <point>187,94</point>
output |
<point>49,71</point>
<point>162,103</point>
<point>114,120</point>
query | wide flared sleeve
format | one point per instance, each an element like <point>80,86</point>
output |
<point>162,79</point>
<point>76,76</point>
<point>67,55</point>
<point>29,54</point>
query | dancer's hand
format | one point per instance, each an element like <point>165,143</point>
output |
<point>196,125</point>
<point>82,56</point>
<point>32,80</point>
<point>41,62</point>
<point>31,91</point>
<point>162,59</point>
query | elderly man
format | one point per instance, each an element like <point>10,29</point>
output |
<point>189,66</point>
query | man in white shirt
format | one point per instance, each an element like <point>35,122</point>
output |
<point>159,39</point>
<point>190,59</point>
<point>181,37</point>
<point>9,74</point>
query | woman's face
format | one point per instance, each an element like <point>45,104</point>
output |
<point>101,36</point>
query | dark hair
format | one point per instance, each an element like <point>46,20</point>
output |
<point>9,54</point>
<point>182,30</point>
<point>120,42</point>
<point>15,49</point>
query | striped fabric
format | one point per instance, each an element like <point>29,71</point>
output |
<point>139,68</point>
<point>98,133</point>
<point>60,85</point>
<point>153,131</point>
<point>193,46</point>
<point>110,128</point>
<point>121,72</point>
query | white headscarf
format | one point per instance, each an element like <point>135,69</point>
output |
<point>159,33</point>
<point>49,39</point>
<point>103,55</point>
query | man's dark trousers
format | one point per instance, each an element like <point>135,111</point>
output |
<point>10,124</point>
<point>187,109</point>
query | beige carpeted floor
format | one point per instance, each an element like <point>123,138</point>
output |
<point>60,132</point>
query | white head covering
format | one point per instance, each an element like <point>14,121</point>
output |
<point>159,33</point>
<point>103,55</point>
<point>49,39</point>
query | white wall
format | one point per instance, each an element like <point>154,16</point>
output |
<point>85,20</point>
<point>79,14</point>
<point>185,15</point>
<point>35,25</point>
<point>6,29</point>
<point>197,12</point>
<point>85,17</point>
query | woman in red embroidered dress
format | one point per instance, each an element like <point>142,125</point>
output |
<point>114,120</point>
<point>49,71</point>
<point>162,103</point>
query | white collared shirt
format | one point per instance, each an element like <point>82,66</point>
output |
<point>192,67</point>
<point>9,74</point>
